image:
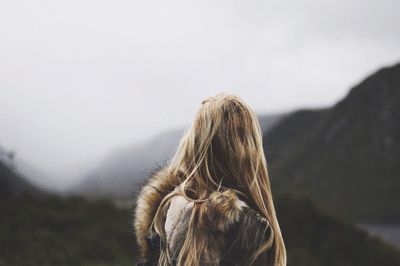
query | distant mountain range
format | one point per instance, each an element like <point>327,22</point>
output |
<point>346,158</point>
<point>25,171</point>
<point>123,171</point>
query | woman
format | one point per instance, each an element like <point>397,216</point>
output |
<point>212,204</point>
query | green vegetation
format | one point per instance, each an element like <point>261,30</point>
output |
<point>74,231</point>
<point>64,231</point>
<point>313,238</point>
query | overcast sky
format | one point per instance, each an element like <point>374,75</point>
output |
<point>79,78</point>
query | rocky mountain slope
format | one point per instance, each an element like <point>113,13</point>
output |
<point>346,157</point>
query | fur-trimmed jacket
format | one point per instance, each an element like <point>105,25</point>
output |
<point>232,229</point>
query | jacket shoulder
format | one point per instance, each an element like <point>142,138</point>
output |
<point>246,236</point>
<point>234,230</point>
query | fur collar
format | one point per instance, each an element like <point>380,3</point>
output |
<point>149,198</point>
<point>221,210</point>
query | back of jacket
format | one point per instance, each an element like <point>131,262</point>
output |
<point>231,231</point>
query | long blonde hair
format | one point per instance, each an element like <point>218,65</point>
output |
<point>221,150</point>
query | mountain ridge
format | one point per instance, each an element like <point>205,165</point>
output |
<point>344,155</point>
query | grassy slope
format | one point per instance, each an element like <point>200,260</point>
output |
<point>56,231</point>
<point>313,238</point>
<point>74,231</point>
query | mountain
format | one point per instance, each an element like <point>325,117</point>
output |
<point>124,170</point>
<point>12,185</point>
<point>58,181</point>
<point>267,122</point>
<point>347,157</point>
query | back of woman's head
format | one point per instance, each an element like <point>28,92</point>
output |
<point>223,150</point>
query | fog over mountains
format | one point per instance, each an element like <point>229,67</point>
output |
<point>123,171</point>
<point>344,157</point>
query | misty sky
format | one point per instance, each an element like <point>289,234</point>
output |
<point>79,78</point>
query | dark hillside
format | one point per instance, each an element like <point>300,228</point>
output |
<point>75,231</point>
<point>316,239</point>
<point>12,185</point>
<point>64,231</point>
<point>346,157</point>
